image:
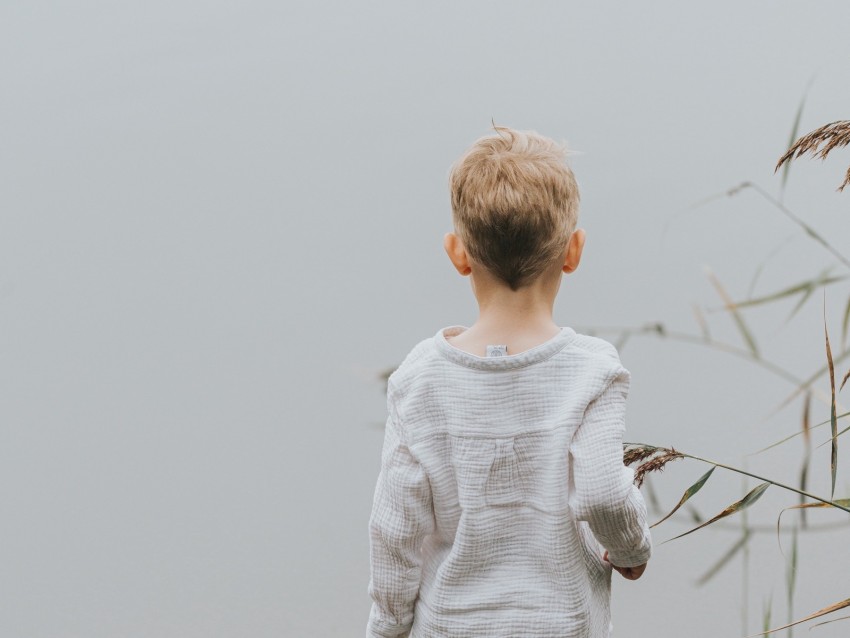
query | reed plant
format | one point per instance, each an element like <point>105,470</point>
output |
<point>647,459</point>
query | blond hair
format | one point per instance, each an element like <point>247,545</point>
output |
<point>514,203</point>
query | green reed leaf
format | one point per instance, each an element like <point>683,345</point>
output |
<point>804,481</point>
<point>693,489</point>
<point>833,459</point>
<point>795,129</point>
<point>807,410</point>
<point>807,455</point>
<point>751,497</point>
<point>766,616</point>
<point>791,579</point>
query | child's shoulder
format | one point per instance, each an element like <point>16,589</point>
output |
<point>412,364</point>
<point>596,345</point>
<point>601,360</point>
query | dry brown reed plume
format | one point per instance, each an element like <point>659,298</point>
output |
<point>832,136</point>
<point>638,453</point>
<point>658,458</point>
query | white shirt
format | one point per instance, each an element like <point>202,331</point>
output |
<point>501,484</point>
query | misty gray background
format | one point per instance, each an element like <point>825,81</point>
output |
<point>221,221</point>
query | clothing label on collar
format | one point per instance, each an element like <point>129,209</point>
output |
<point>497,351</point>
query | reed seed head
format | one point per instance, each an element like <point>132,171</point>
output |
<point>656,463</point>
<point>637,453</point>
<point>820,143</point>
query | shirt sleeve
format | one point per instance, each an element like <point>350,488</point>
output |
<point>603,492</point>
<point>402,516</point>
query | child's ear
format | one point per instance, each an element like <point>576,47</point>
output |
<point>457,253</point>
<point>574,249</point>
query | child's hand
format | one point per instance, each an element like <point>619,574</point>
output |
<point>629,573</point>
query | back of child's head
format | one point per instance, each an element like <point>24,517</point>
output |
<point>514,204</point>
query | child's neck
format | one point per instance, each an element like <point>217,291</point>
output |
<point>519,319</point>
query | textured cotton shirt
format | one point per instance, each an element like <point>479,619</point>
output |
<point>501,485</point>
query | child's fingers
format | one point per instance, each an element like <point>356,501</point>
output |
<point>626,572</point>
<point>631,573</point>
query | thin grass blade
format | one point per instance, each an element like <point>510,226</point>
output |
<point>696,517</point>
<point>807,455</point>
<point>751,288</point>
<point>693,489</point>
<point>808,382</point>
<point>807,430</point>
<point>799,432</point>
<point>727,556</point>
<point>730,305</point>
<point>826,622</point>
<point>845,324</point>
<point>811,232</point>
<point>800,303</point>
<point>703,325</point>
<point>844,380</point>
<point>760,268</point>
<point>804,287</point>
<point>833,459</point>
<point>844,431</point>
<point>744,520</point>
<point>765,623</point>
<point>842,502</point>
<point>795,129</point>
<point>791,580</point>
<point>823,612</point>
<point>804,481</point>
<point>751,497</point>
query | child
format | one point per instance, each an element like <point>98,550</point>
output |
<point>503,503</point>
